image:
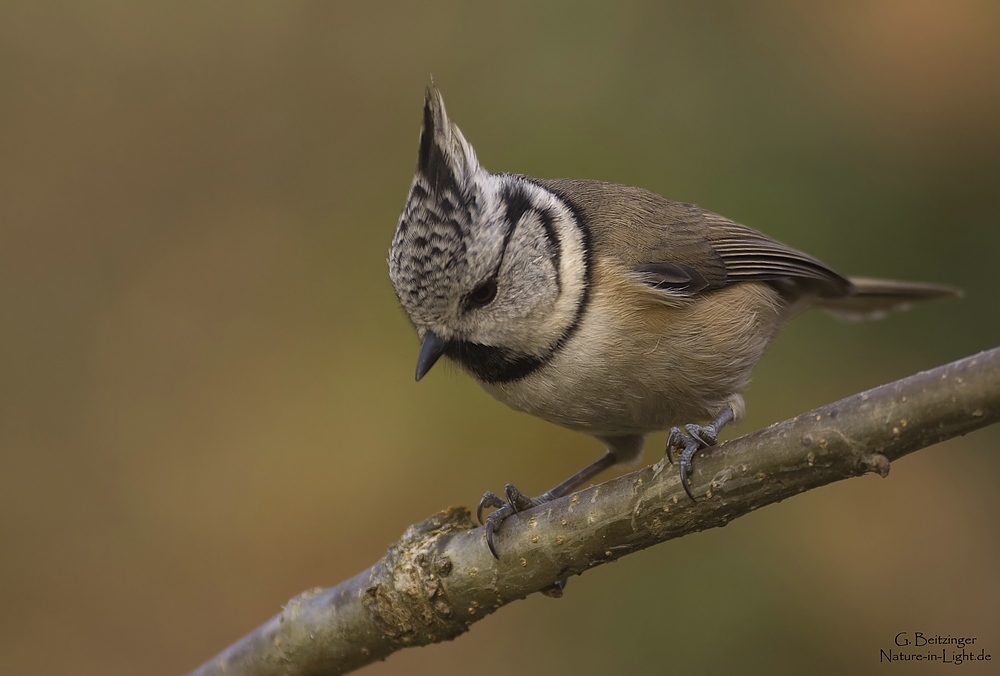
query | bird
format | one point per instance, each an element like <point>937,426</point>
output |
<point>603,308</point>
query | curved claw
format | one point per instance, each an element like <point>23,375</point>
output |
<point>515,503</point>
<point>694,434</point>
<point>493,523</point>
<point>489,499</point>
<point>684,481</point>
<point>705,436</point>
<point>692,439</point>
<point>489,539</point>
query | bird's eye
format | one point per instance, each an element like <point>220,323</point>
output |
<point>484,293</point>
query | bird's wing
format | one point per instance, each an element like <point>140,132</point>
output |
<point>683,249</point>
<point>751,255</point>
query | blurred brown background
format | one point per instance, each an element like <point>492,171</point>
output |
<point>207,392</point>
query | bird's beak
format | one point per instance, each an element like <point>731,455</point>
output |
<point>430,351</point>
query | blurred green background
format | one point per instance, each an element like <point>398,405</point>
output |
<point>207,384</point>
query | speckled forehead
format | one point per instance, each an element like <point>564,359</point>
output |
<point>449,237</point>
<point>446,242</point>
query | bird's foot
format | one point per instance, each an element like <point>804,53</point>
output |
<point>555,590</point>
<point>516,502</point>
<point>691,439</point>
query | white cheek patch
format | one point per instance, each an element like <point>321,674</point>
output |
<point>545,267</point>
<point>528,267</point>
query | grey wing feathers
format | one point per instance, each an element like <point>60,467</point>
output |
<point>685,250</point>
<point>751,255</point>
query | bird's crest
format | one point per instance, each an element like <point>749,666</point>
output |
<point>446,160</point>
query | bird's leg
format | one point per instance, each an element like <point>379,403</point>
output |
<point>694,438</point>
<point>518,502</point>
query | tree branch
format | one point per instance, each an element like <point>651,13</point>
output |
<point>439,577</point>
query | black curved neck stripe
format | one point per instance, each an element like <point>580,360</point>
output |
<point>498,365</point>
<point>493,364</point>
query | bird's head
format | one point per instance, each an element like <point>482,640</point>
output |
<point>490,268</point>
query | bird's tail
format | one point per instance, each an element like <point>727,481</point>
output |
<point>875,298</point>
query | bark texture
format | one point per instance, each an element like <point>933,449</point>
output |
<point>439,577</point>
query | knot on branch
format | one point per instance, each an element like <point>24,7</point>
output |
<point>406,596</point>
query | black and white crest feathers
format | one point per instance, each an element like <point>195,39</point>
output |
<point>458,221</point>
<point>430,248</point>
<point>446,161</point>
<point>462,228</point>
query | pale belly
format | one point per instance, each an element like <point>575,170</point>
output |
<point>634,370</point>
